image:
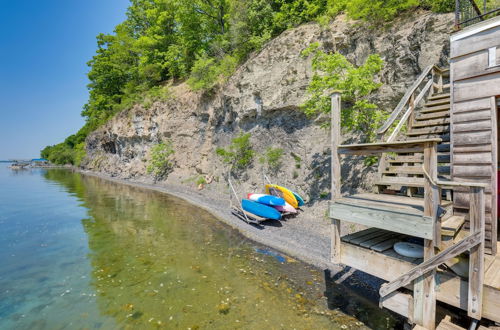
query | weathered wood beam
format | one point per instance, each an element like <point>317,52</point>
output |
<point>453,290</point>
<point>390,219</point>
<point>335,174</point>
<point>424,311</point>
<point>476,258</point>
<point>442,257</point>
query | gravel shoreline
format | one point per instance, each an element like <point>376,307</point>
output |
<point>303,237</point>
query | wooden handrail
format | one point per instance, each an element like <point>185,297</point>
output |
<point>466,244</point>
<point>408,112</point>
<point>404,100</point>
<point>453,184</point>
<point>408,96</point>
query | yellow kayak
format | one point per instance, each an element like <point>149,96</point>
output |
<point>287,194</point>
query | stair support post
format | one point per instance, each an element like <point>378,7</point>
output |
<point>335,174</point>
<point>476,258</point>
<point>424,313</point>
<point>411,117</point>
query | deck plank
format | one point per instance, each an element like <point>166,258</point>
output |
<point>388,235</point>
<point>348,238</point>
<point>370,236</point>
<point>385,245</point>
<point>492,275</point>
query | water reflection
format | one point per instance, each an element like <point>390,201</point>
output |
<point>154,261</point>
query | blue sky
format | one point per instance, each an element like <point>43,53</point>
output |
<point>44,48</point>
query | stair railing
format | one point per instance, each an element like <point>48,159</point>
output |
<point>474,243</point>
<point>432,76</point>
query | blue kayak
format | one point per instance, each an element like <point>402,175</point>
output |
<point>267,199</point>
<point>261,210</point>
<point>298,198</point>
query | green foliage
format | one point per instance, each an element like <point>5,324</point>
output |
<point>297,158</point>
<point>159,162</point>
<point>335,72</point>
<point>71,151</point>
<point>370,160</point>
<point>378,10</point>
<point>239,154</point>
<point>202,41</point>
<point>272,157</point>
<point>207,72</point>
<point>201,180</point>
<point>439,6</point>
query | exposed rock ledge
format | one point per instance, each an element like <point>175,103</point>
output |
<point>263,97</point>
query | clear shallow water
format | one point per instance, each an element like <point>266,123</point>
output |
<point>80,252</point>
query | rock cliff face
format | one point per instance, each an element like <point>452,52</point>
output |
<point>263,98</point>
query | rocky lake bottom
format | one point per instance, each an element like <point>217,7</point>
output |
<point>82,252</point>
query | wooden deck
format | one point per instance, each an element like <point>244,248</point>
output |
<point>400,214</point>
<point>371,251</point>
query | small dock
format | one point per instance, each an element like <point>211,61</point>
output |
<point>436,188</point>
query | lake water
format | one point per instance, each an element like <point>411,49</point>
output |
<point>81,252</point>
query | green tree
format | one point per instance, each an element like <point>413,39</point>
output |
<point>335,72</point>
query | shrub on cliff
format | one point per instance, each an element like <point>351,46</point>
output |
<point>272,157</point>
<point>335,72</point>
<point>239,154</point>
<point>159,163</point>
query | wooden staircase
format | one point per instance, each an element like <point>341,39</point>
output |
<point>414,160</point>
<point>402,172</point>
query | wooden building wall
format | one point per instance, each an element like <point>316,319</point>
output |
<point>475,85</point>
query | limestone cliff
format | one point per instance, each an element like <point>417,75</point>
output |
<point>263,97</point>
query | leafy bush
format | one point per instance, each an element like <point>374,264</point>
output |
<point>439,6</point>
<point>335,72</point>
<point>64,153</point>
<point>207,72</point>
<point>159,163</point>
<point>272,157</point>
<point>201,180</point>
<point>202,41</point>
<point>239,154</point>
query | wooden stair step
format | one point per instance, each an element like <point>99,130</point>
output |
<point>492,274</point>
<point>440,96</point>
<point>452,225</point>
<point>403,170</point>
<point>437,108</point>
<point>404,181</point>
<point>413,170</point>
<point>443,157</point>
<point>407,159</point>
<point>400,181</point>
<point>441,101</point>
<point>432,122</point>
<point>445,137</point>
<point>433,115</point>
<point>429,130</point>
<point>445,324</point>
